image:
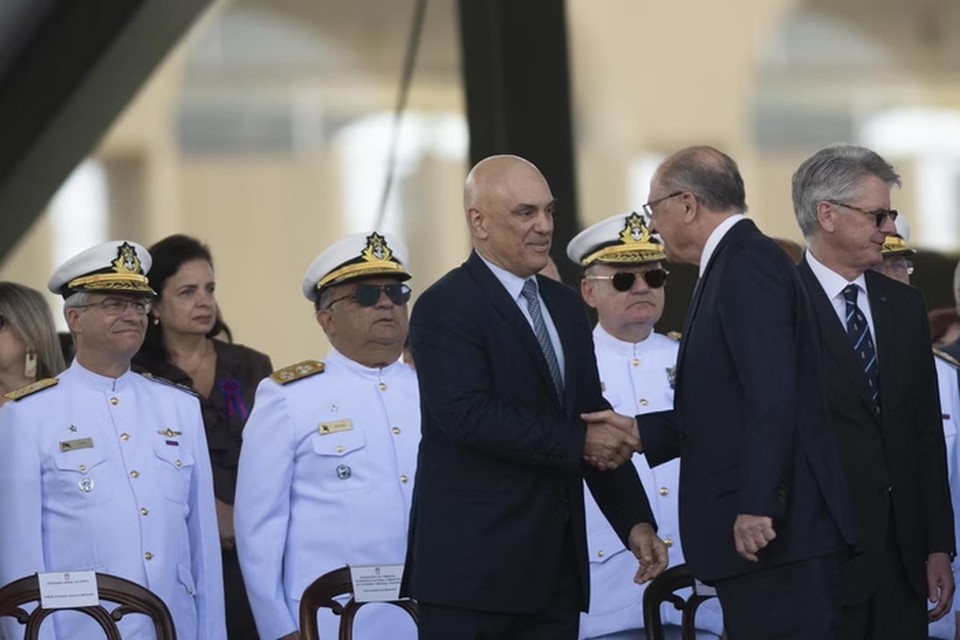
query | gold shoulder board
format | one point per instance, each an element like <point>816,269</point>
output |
<point>31,388</point>
<point>297,371</point>
<point>676,335</point>
<point>169,383</point>
<point>946,357</point>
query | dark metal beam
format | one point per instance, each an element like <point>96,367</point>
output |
<point>69,80</point>
<point>516,77</point>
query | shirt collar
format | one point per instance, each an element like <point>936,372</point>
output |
<point>510,281</point>
<point>715,237</point>
<point>832,282</point>
<point>604,340</point>
<point>373,373</point>
<point>95,380</point>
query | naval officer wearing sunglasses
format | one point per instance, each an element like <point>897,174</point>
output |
<point>329,452</point>
<point>624,280</point>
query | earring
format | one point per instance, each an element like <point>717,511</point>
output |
<point>30,366</point>
<point>156,321</point>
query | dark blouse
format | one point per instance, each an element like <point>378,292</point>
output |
<point>239,371</point>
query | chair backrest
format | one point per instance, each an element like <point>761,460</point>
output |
<point>130,596</point>
<point>322,593</point>
<point>664,588</point>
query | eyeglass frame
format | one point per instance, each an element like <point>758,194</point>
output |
<point>649,205</point>
<point>879,215</point>
<point>634,275</point>
<point>381,290</point>
<point>113,301</point>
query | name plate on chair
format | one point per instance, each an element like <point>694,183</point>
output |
<point>376,583</point>
<point>68,589</point>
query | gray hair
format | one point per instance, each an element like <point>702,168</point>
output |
<point>956,286</point>
<point>834,173</point>
<point>27,313</point>
<point>708,173</point>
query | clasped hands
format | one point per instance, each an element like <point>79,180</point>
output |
<point>611,439</point>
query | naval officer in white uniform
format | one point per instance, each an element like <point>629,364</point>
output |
<point>106,470</point>
<point>623,280</point>
<point>329,451</point>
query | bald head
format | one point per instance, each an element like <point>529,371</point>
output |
<point>509,208</point>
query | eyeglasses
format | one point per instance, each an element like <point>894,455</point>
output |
<point>880,215</point>
<point>623,280</point>
<point>117,306</point>
<point>648,207</point>
<point>367,295</point>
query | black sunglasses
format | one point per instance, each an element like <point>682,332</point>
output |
<point>880,215</point>
<point>623,280</point>
<point>367,295</point>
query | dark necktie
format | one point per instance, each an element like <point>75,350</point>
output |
<point>529,294</point>
<point>859,333</point>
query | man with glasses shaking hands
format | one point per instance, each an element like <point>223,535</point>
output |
<point>107,470</point>
<point>764,513</point>
<point>882,393</point>
<point>329,452</point>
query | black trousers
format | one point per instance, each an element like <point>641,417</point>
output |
<point>240,623</point>
<point>794,601</point>
<point>560,620</point>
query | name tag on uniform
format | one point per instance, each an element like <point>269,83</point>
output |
<point>376,583</point>
<point>326,428</point>
<point>73,445</point>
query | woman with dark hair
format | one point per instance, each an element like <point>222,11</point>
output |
<point>29,347</point>
<point>184,345</point>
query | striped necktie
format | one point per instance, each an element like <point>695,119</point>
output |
<point>859,332</point>
<point>529,294</point>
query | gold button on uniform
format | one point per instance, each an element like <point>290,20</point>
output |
<point>403,479</point>
<point>643,402</point>
<point>636,362</point>
<point>82,468</point>
<point>340,448</point>
<point>396,431</point>
<point>114,401</point>
<point>382,386</point>
<point>148,556</point>
<point>124,437</point>
<point>600,553</point>
<point>144,512</point>
<point>668,542</point>
<point>134,474</point>
<point>664,491</point>
<point>178,463</point>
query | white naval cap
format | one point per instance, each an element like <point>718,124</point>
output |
<point>359,255</point>
<point>896,245</point>
<point>620,239</point>
<point>117,266</point>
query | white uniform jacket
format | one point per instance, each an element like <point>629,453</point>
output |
<point>325,480</point>
<point>945,627</point>
<point>112,475</point>
<point>637,378</point>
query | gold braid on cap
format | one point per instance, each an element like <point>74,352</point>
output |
<point>376,258</point>
<point>127,274</point>
<point>635,245</point>
<point>895,244</point>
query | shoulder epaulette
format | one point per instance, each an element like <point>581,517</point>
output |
<point>170,383</point>
<point>676,335</point>
<point>946,357</point>
<point>297,371</point>
<point>31,388</point>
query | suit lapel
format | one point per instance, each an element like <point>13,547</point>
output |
<point>507,308</point>
<point>884,325</point>
<point>834,336</point>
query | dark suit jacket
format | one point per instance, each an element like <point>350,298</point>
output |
<point>897,458</point>
<point>749,419</point>
<point>499,475</point>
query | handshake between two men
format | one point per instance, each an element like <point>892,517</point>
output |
<point>611,441</point>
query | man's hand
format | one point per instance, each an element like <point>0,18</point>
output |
<point>649,550</point>
<point>228,539</point>
<point>607,447</point>
<point>940,585</point>
<point>751,534</point>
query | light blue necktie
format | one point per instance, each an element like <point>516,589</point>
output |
<point>529,294</point>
